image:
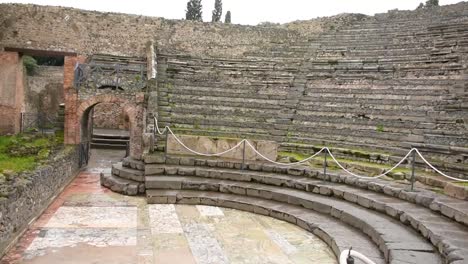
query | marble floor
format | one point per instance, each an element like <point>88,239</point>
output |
<point>90,224</point>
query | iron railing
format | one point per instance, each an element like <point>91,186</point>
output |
<point>115,77</point>
<point>84,149</point>
<point>38,122</point>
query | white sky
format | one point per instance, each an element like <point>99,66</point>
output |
<point>243,11</point>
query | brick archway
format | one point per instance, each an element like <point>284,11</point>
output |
<point>134,112</point>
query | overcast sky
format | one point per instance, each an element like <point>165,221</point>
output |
<point>243,11</point>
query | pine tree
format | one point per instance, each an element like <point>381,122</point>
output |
<point>217,12</point>
<point>227,19</point>
<point>194,10</point>
<point>421,5</point>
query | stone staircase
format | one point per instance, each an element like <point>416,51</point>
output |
<point>109,141</point>
<point>379,218</point>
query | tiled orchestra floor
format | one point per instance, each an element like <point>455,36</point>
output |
<point>88,223</point>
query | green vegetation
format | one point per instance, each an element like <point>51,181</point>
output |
<point>461,183</point>
<point>429,4</point>
<point>379,128</point>
<point>194,10</point>
<point>25,151</point>
<point>30,64</point>
<point>217,12</point>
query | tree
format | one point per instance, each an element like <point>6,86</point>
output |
<point>217,12</point>
<point>194,10</point>
<point>420,6</point>
<point>227,19</point>
<point>431,3</point>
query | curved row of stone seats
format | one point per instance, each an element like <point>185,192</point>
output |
<point>337,236</point>
<point>296,187</point>
<point>126,177</point>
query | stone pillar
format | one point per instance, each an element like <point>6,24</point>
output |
<point>137,116</point>
<point>72,124</point>
<point>11,92</point>
<point>151,67</point>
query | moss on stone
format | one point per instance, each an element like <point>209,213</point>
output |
<point>24,152</point>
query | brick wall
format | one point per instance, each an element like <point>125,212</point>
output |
<point>11,92</point>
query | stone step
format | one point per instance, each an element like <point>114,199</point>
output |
<point>424,220</point>
<point>110,136</point>
<point>108,146</point>
<point>338,236</point>
<point>116,141</point>
<point>122,186</point>
<point>128,162</point>
<point>128,173</point>
<point>455,209</point>
<point>390,235</point>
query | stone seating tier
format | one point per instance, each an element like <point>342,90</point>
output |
<point>385,212</point>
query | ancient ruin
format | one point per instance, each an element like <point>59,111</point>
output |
<point>303,122</point>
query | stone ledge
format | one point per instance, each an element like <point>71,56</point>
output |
<point>336,235</point>
<point>381,229</point>
<point>425,198</point>
<point>122,186</point>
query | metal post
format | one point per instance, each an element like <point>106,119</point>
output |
<point>22,123</point>
<point>127,149</point>
<point>243,156</point>
<point>413,178</point>
<point>165,148</point>
<point>325,164</point>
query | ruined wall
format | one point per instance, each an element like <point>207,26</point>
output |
<point>110,116</point>
<point>87,32</point>
<point>11,92</point>
<point>44,90</point>
<point>33,193</point>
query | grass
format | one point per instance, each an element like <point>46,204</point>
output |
<point>465,184</point>
<point>24,152</point>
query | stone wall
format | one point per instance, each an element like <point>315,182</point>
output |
<point>88,32</point>
<point>33,194</point>
<point>110,116</point>
<point>11,92</point>
<point>44,90</point>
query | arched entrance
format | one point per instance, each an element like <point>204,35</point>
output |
<point>135,114</point>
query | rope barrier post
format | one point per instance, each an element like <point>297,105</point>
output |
<point>165,147</point>
<point>413,178</point>
<point>325,164</point>
<point>243,156</point>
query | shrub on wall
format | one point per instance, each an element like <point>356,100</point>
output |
<point>30,64</point>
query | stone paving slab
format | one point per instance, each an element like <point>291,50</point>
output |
<point>88,223</point>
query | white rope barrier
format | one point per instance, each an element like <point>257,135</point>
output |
<point>369,177</point>
<point>204,154</point>
<point>280,163</point>
<point>346,253</point>
<point>167,130</point>
<point>436,170</point>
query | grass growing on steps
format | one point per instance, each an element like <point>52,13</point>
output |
<point>25,151</point>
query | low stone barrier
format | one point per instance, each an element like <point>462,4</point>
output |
<point>32,194</point>
<point>210,145</point>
